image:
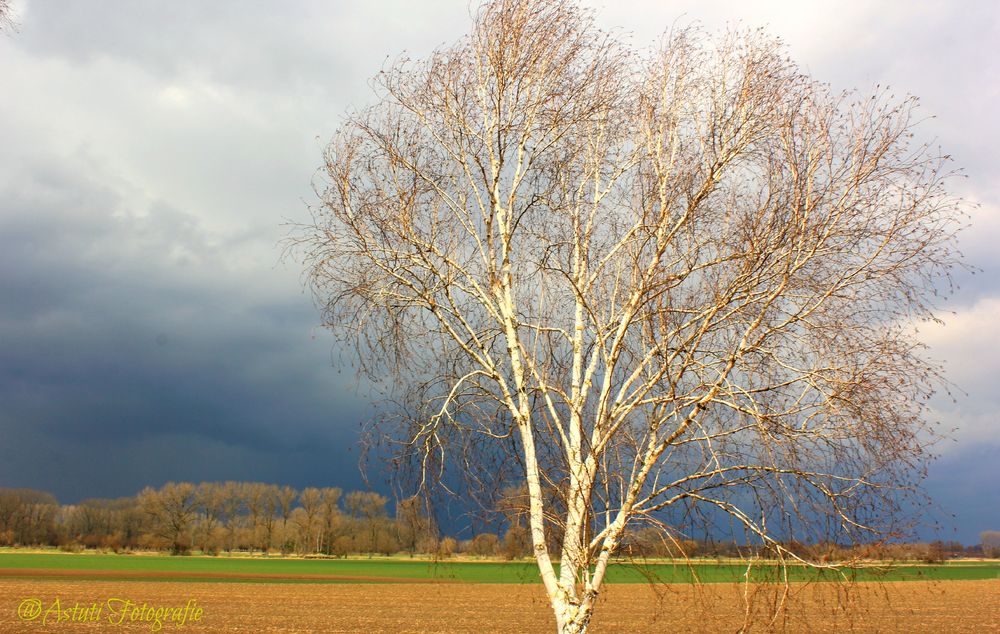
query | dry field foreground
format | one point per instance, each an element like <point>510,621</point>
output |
<point>933,607</point>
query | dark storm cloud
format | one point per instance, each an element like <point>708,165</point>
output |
<point>107,361</point>
<point>963,486</point>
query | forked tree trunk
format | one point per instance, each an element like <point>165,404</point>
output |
<point>573,619</point>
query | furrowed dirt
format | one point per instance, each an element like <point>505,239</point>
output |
<point>932,607</point>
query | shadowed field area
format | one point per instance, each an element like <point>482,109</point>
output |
<point>932,607</point>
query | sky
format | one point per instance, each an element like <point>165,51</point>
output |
<point>153,153</point>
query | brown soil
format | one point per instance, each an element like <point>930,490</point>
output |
<point>931,607</point>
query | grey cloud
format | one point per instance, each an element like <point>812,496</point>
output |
<point>966,498</point>
<point>105,347</point>
<point>299,46</point>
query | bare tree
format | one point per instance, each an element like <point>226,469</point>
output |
<point>990,543</point>
<point>415,527</point>
<point>271,508</point>
<point>286,500</point>
<point>212,506</point>
<point>310,500</point>
<point>367,508</point>
<point>485,545</point>
<point>254,494</point>
<point>27,516</point>
<point>330,518</point>
<point>170,512</point>
<point>669,286</point>
<point>6,21</point>
<point>231,504</point>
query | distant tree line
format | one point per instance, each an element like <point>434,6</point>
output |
<point>651,543</point>
<point>216,517</point>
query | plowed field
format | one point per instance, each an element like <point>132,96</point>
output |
<point>932,607</point>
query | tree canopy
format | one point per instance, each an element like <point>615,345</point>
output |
<point>655,287</point>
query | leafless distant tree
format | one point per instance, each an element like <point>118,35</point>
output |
<point>170,512</point>
<point>211,506</point>
<point>667,286</point>
<point>330,516</point>
<point>990,543</point>
<point>286,501</point>
<point>368,510</point>
<point>415,528</point>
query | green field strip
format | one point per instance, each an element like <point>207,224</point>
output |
<point>231,569</point>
